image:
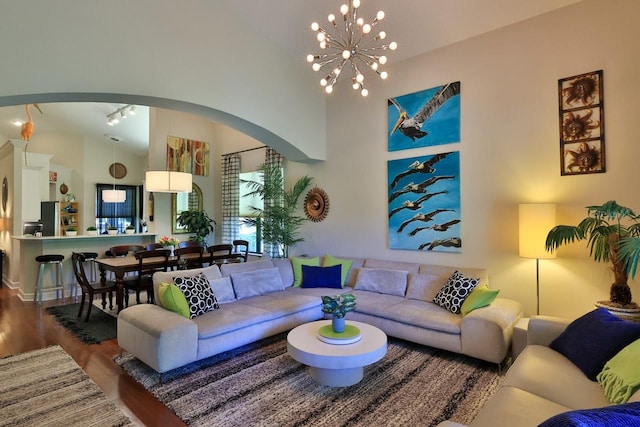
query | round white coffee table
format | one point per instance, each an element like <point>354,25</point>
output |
<point>336,365</point>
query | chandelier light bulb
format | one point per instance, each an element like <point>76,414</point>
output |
<point>350,45</point>
<point>132,110</point>
<point>384,75</point>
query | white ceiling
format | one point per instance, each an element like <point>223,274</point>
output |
<point>418,26</point>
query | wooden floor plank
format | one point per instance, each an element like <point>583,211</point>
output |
<point>25,326</point>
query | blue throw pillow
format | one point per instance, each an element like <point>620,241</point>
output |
<point>627,414</point>
<point>322,277</point>
<point>591,340</point>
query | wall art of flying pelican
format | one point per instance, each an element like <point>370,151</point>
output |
<point>423,217</point>
<point>419,188</point>
<point>28,127</point>
<point>419,167</point>
<point>412,126</point>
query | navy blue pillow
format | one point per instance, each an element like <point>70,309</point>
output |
<point>627,414</point>
<point>322,277</point>
<point>591,340</point>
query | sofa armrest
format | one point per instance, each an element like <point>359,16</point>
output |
<point>486,332</point>
<point>544,329</point>
<point>160,338</point>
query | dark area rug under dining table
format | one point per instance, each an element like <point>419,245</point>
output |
<point>100,327</point>
<point>260,385</point>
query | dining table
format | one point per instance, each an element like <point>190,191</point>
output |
<point>120,266</point>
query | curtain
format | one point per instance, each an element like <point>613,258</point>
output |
<point>126,209</point>
<point>230,197</point>
<point>273,158</point>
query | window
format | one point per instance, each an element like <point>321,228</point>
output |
<point>117,214</point>
<point>250,225</point>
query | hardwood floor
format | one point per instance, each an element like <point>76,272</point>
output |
<point>24,326</point>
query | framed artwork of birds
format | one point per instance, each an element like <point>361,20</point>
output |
<point>425,118</point>
<point>424,203</point>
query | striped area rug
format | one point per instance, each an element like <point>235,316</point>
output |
<point>47,388</point>
<point>260,385</point>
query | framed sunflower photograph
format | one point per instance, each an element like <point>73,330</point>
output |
<point>582,149</point>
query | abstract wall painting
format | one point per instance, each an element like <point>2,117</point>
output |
<point>187,155</point>
<point>581,124</point>
<point>424,203</point>
<point>426,118</point>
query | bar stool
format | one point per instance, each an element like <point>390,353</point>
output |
<point>55,260</point>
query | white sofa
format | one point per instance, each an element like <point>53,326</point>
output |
<point>253,306</point>
<point>541,383</point>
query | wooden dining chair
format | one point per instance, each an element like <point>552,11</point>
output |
<point>190,244</point>
<point>123,250</point>
<point>142,281</point>
<point>220,253</point>
<point>190,256</point>
<point>241,250</point>
<point>89,289</point>
<point>153,246</point>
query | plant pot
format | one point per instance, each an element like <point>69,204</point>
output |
<point>70,233</point>
<point>337,323</point>
<point>631,314</point>
<point>129,231</point>
<point>92,232</point>
<point>112,232</point>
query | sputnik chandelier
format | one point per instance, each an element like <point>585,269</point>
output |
<point>353,45</point>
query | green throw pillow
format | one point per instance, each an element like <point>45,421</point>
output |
<point>481,296</point>
<point>297,264</point>
<point>173,299</point>
<point>330,261</point>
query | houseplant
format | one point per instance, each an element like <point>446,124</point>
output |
<point>196,222</point>
<point>111,229</point>
<point>604,228</point>
<point>71,231</point>
<point>278,222</point>
<point>338,306</point>
<point>92,231</point>
<point>130,229</point>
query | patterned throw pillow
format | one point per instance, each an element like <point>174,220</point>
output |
<point>455,291</point>
<point>197,291</point>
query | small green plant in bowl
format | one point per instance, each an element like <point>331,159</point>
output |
<point>112,229</point>
<point>92,231</point>
<point>130,229</point>
<point>71,231</point>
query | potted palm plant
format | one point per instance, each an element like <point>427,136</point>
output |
<point>279,223</point>
<point>606,229</point>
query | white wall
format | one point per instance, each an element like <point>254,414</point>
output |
<point>509,150</point>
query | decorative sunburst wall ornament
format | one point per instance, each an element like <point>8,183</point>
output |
<point>353,45</point>
<point>316,204</point>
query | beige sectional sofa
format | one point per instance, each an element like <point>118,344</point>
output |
<point>257,300</point>
<point>540,384</point>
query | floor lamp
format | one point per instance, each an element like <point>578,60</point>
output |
<point>535,222</point>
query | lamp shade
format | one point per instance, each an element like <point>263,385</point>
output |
<point>535,222</point>
<point>168,182</point>
<point>114,196</point>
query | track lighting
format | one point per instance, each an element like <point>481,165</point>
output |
<point>112,118</point>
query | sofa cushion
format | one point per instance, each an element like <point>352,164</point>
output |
<point>322,277</point>
<point>257,282</point>
<point>426,315</point>
<point>297,263</point>
<point>345,264</point>
<point>172,298</point>
<point>425,287</point>
<point>480,297</point>
<point>617,415</point>
<point>620,377</point>
<point>222,289</point>
<point>198,293</point>
<point>455,291</point>
<point>286,270</point>
<point>242,267</point>
<point>591,340</point>
<point>383,281</point>
<point>410,267</point>
<point>211,272</point>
